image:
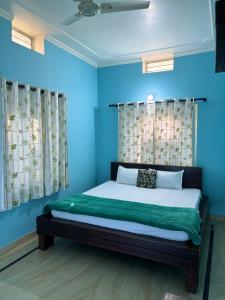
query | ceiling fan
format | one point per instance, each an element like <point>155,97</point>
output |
<point>88,8</point>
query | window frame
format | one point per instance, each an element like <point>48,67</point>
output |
<point>21,38</point>
<point>160,65</point>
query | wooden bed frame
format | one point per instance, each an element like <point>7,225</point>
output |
<point>180,254</point>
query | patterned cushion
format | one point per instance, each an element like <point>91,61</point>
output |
<point>146,178</point>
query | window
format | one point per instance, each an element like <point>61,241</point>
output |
<point>33,144</point>
<point>21,38</point>
<point>33,43</point>
<point>151,66</point>
<point>158,133</point>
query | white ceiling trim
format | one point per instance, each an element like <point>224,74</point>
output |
<point>199,45</point>
<point>211,37</point>
<point>6,15</point>
<point>211,17</point>
<point>126,56</point>
<point>71,51</point>
<point>137,60</point>
<point>59,30</point>
<point>123,59</point>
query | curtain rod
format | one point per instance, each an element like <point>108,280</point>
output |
<point>22,86</point>
<point>167,100</point>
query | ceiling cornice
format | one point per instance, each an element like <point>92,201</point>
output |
<point>6,15</point>
<point>63,46</point>
<point>212,17</point>
<point>58,29</point>
<point>138,60</point>
<point>117,60</point>
<point>197,48</point>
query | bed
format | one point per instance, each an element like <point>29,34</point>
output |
<point>162,245</point>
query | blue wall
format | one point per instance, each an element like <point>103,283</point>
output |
<point>193,76</point>
<point>92,127</point>
<point>56,70</point>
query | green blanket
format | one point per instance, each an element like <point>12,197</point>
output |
<point>172,218</point>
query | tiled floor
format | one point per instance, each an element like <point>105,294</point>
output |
<point>70,271</point>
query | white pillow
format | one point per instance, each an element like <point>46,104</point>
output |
<point>127,176</point>
<point>169,180</point>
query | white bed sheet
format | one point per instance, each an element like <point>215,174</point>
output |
<point>165,197</point>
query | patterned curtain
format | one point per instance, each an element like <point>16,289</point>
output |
<point>34,143</point>
<point>136,133</point>
<point>157,133</point>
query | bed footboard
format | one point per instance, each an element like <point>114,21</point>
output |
<point>180,254</point>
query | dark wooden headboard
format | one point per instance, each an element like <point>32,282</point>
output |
<point>192,177</point>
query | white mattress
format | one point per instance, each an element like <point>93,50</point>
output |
<point>166,197</point>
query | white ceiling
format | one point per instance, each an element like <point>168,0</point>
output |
<point>179,27</point>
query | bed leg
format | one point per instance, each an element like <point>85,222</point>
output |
<point>45,241</point>
<point>191,280</point>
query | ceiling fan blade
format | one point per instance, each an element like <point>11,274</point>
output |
<point>71,19</point>
<point>123,6</point>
